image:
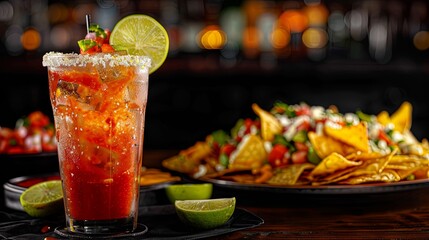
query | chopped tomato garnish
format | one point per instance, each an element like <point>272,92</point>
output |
<point>276,157</point>
<point>107,48</point>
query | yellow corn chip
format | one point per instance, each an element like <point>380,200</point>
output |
<point>334,177</point>
<point>354,135</point>
<point>270,125</point>
<point>290,174</point>
<point>404,173</point>
<point>250,154</point>
<point>364,155</point>
<point>402,117</point>
<point>332,163</point>
<point>386,176</point>
<point>181,163</point>
<point>325,145</point>
<point>383,118</point>
<point>369,167</point>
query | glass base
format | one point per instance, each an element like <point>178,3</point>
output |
<point>65,232</point>
<point>102,226</point>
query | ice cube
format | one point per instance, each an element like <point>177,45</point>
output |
<point>89,98</point>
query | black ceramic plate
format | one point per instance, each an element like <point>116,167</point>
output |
<point>326,189</point>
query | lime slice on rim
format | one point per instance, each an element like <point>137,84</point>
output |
<point>141,35</point>
<point>190,191</point>
<point>43,199</point>
<point>205,214</point>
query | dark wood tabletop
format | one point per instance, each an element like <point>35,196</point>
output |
<point>400,215</point>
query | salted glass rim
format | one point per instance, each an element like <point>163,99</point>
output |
<point>58,59</point>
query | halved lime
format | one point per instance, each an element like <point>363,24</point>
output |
<point>43,199</point>
<point>205,214</point>
<point>190,191</point>
<point>141,35</point>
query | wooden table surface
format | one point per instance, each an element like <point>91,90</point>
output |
<point>400,214</point>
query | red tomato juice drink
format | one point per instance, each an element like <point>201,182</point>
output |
<point>99,102</point>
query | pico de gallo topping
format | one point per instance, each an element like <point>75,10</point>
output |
<point>34,133</point>
<point>96,41</point>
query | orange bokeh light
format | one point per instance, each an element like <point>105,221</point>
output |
<point>30,39</point>
<point>251,37</point>
<point>294,19</point>
<point>421,40</point>
<point>212,37</point>
<point>315,38</point>
<point>280,37</point>
<point>316,14</point>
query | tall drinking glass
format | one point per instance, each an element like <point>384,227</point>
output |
<point>99,103</point>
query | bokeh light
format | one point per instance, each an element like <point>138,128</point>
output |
<point>251,40</point>
<point>30,39</point>
<point>315,38</point>
<point>317,15</point>
<point>60,37</point>
<point>421,40</point>
<point>57,12</point>
<point>6,11</point>
<point>295,20</point>
<point>280,37</point>
<point>13,40</point>
<point>212,37</point>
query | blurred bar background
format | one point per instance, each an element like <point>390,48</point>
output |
<point>369,55</point>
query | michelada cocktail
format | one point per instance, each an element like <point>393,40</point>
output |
<point>99,101</point>
<point>99,104</point>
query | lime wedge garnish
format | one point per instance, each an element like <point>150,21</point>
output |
<point>141,35</point>
<point>205,214</point>
<point>43,199</point>
<point>190,191</point>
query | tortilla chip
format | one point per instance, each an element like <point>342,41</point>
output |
<point>369,167</point>
<point>383,118</point>
<point>364,155</point>
<point>150,176</point>
<point>250,154</point>
<point>402,159</point>
<point>334,177</point>
<point>197,152</point>
<point>402,117</point>
<point>332,163</point>
<point>354,135</point>
<point>270,125</point>
<point>325,145</point>
<point>404,173</point>
<point>385,176</point>
<point>180,163</point>
<point>402,166</point>
<point>290,174</point>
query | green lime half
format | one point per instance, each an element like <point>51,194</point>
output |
<point>141,35</point>
<point>190,191</point>
<point>43,199</point>
<point>205,214</point>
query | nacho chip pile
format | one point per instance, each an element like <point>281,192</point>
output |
<point>309,145</point>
